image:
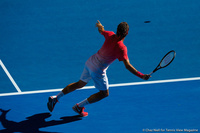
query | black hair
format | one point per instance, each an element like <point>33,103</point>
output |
<point>122,30</point>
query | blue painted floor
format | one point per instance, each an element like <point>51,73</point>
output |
<point>127,109</point>
<point>44,45</point>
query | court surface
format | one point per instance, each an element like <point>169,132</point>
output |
<point>44,45</point>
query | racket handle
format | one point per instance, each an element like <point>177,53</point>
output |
<point>154,70</point>
<point>151,73</point>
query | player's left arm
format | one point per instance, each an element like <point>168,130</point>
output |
<point>135,71</point>
<point>100,26</point>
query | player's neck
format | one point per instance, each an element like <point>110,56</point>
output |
<point>121,39</point>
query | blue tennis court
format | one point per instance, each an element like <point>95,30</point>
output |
<point>44,46</point>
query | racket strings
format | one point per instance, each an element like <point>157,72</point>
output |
<point>167,60</point>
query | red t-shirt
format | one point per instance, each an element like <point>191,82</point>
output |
<point>112,49</point>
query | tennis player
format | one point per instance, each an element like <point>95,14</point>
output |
<point>96,66</point>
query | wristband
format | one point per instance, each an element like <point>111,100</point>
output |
<point>139,74</point>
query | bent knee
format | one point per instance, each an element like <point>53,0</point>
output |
<point>105,93</point>
<point>81,83</point>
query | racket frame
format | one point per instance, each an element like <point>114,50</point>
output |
<point>159,66</point>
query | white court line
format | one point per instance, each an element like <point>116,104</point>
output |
<point>112,85</point>
<point>10,77</point>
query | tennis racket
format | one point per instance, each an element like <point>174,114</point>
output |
<point>166,60</point>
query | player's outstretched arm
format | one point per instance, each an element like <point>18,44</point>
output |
<point>134,71</point>
<point>99,26</point>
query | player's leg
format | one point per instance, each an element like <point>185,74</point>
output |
<point>101,83</point>
<point>73,86</point>
<point>80,107</point>
<point>85,77</point>
<point>98,96</point>
<point>69,88</point>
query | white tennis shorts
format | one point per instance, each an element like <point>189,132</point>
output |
<point>100,78</point>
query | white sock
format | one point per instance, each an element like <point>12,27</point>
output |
<point>60,94</point>
<point>83,103</point>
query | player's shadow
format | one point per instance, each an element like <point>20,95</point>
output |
<point>33,123</point>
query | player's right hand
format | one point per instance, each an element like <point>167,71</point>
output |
<point>146,76</point>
